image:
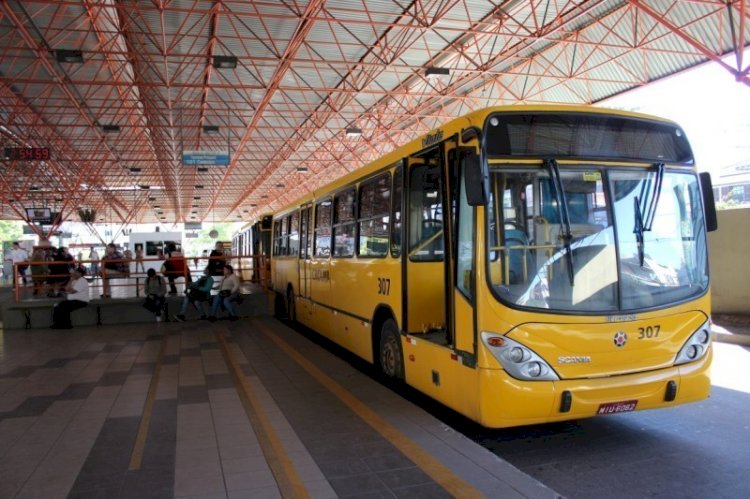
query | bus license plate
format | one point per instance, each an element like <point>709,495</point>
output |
<point>617,407</point>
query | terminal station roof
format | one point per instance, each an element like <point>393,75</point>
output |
<point>118,90</point>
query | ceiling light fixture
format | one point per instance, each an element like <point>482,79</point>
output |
<point>301,168</point>
<point>210,129</point>
<point>436,72</point>
<point>199,186</point>
<point>353,131</point>
<point>225,62</point>
<point>111,128</point>
<point>71,56</point>
<point>135,170</point>
<point>202,169</point>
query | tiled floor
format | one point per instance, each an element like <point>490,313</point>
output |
<point>216,410</point>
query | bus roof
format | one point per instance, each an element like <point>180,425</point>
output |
<point>448,129</point>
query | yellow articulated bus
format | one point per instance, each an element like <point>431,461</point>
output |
<point>519,264</point>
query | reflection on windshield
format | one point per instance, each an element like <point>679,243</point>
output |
<point>527,263</point>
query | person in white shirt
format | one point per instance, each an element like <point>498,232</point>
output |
<point>229,293</point>
<point>18,255</point>
<point>77,297</point>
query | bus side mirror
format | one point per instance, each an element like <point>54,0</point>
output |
<point>477,183</point>
<point>709,206</point>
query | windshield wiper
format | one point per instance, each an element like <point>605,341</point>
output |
<point>644,217</point>
<point>638,229</point>
<point>562,211</point>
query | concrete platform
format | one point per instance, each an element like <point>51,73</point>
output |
<point>243,409</point>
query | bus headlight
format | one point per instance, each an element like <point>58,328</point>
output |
<point>518,360</point>
<point>696,346</point>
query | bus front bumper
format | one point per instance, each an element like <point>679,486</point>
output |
<point>506,401</point>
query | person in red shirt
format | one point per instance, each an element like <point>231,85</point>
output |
<point>175,266</point>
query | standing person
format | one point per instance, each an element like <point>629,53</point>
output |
<point>174,267</point>
<point>18,255</point>
<point>94,257</point>
<point>229,293</point>
<point>112,266</point>
<point>197,292</point>
<point>128,256</point>
<point>7,267</point>
<point>77,296</point>
<point>39,269</point>
<point>155,289</point>
<point>59,272</point>
<point>216,260</point>
<point>139,258</point>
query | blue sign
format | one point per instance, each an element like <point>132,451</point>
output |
<point>215,158</point>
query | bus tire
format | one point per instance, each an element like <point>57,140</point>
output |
<point>291,307</point>
<point>391,357</point>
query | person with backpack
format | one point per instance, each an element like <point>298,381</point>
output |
<point>155,288</point>
<point>197,292</point>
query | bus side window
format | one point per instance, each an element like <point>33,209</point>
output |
<point>374,204</point>
<point>343,223</point>
<point>323,229</point>
<point>294,234</point>
<point>277,238</point>
<point>285,236</point>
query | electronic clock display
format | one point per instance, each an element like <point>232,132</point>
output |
<point>27,153</point>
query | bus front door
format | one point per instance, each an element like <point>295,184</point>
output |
<point>424,292</point>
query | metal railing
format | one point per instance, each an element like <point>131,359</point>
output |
<point>251,269</point>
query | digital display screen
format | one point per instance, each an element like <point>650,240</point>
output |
<point>581,135</point>
<point>27,153</point>
<point>38,213</point>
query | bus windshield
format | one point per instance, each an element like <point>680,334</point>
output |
<point>596,256</point>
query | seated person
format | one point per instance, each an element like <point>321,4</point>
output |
<point>77,296</point>
<point>59,272</point>
<point>197,292</point>
<point>112,266</point>
<point>216,260</point>
<point>229,292</point>
<point>154,288</point>
<point>175,266</point>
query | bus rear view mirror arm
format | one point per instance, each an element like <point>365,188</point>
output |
<point>477,181</point>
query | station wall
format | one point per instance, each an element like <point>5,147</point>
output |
<point>729,258</point>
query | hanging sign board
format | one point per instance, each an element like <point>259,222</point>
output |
<point>193,225</point>
<point>191,235</point>
<point>214,158</point>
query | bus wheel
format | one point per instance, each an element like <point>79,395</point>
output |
<point>391,358</point>
<point>291,308</point>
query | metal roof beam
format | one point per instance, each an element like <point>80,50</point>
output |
<point>303,28</point>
